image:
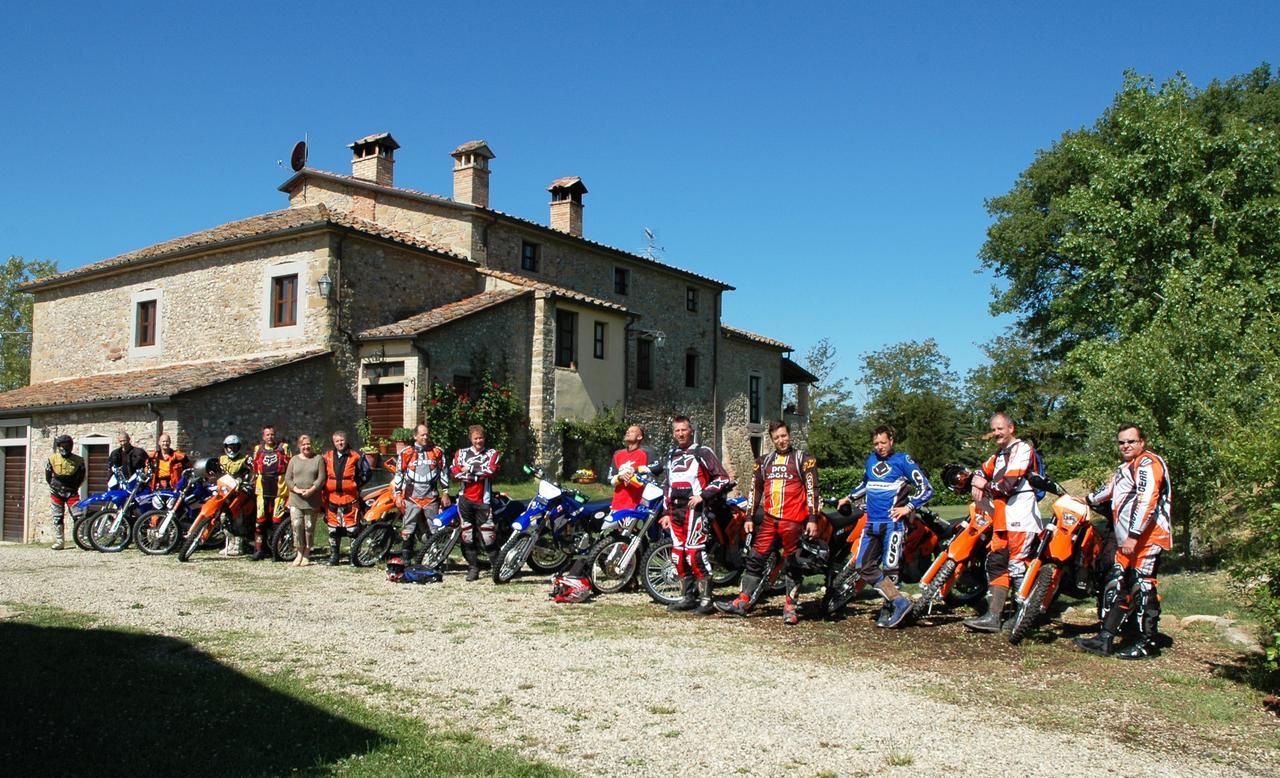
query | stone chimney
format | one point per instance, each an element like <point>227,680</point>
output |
<point>566,204</point>
<point>373,157</point>
<point>471,173</point>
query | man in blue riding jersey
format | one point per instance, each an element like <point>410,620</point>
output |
<point>894,487</point>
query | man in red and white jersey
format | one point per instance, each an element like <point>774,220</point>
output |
<point>693,475</point>
<point>1004,494</point>
<point>474,468</point>
<point>1139,497</point>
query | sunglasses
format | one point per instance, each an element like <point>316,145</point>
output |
<point>1126,442</point>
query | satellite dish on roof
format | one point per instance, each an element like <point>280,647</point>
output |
<point>298,159</point>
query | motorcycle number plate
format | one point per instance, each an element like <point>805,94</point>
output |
<point>651,492</point>
<point>547,490</point>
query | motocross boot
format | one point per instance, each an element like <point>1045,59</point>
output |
<point>1147,617</point>
<point>687,601</point>
<point>1099,644</point>
<point>898,611</point>
<point>58,542</point>
<point>335,543</point>
<point>740,605</point>
<point>261,543</point>
<point>990,621</point>
<point>706,606</point>
<point>789,612</point>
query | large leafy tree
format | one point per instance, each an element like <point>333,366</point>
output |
<point>1018,381</point>
<point>836,436</point>
<point>911,387</point>
<point>15,318</point>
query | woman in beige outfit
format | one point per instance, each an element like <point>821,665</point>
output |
<point>305,479</point>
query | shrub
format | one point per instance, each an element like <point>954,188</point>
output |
<point>496,407</point>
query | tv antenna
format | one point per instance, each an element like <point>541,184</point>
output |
<point>297,157</point>
<point>651,249</point>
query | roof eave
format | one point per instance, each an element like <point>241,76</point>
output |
<point>91,405</point>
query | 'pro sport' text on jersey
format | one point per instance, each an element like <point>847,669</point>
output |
<point>785,485</point>
<point>891,482</point>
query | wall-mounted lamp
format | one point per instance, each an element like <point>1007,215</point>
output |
<point>325,285</point>
<point>657,336</point>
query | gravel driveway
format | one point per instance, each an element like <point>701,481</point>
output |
<point>613,687</point>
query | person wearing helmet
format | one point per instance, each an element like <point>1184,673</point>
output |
<point>235,464</point>
<point>269,462</point>
<point>894,487</point>
<point>783,505</point>
<point>167,464</point>
<point>694,475</point>
<point>64,473</point>
<point>1001,491</point>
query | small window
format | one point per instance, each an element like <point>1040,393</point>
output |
<point>566,330</point>
<point>463,386</point>
<point>529,256</point>
<point>753,399</point>
<point>644,364</point>
<point>284,301</point>
<point>691,299</point>
<point>755,446</point>
<point>146,324</point>
<point>621,280</point>
<point>597,344</point>
<point>691,369</point>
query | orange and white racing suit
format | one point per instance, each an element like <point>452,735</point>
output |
<point>1014,511</point>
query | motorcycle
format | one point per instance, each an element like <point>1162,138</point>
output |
<point>229,508</point>
<point>85,511</point>
<point>925,534</point>
<point>110,529</point>
<point>958,575</point>
<point>446,529</point>
<point>544,534</point>
<point>727,546</point>
<point>624,535</point>
<point>1065,560</point>
<point>160,529</point>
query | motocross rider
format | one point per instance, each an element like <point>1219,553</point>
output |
<point>64,473</point>
<point>1140,498</point>
<point>475,467</point>
<point>269,462</point>
<point>345,472</point>
<point>167,464</point>
<point>1001,489</point>
<point>421,486</point>
<point>634,457</point>
<point>694,474</point>
<point>235,464</point>
<point>894,487</point>
<point>784,495</point>
<point>126,460</point>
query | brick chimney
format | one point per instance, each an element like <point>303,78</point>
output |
<point>373,157</point>
<point>566,204</point>
<point>471,173</point>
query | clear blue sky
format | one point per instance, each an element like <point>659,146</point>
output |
<point>829,160</point>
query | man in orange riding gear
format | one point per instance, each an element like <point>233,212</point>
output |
<point>345,471</point>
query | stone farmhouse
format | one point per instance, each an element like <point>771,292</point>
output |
<point>351,301</point>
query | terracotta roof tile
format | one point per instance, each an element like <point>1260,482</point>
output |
<point>140,386</point>
<point>435,317</point>
<point>734,332</point>
<point>260,226</point>
<point>558,291</point>
<point>474,146</point>
<point>388,141</point>
<point>630,255</point>
<point>568,182</point>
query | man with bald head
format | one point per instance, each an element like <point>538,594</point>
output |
<point>1002,492</point>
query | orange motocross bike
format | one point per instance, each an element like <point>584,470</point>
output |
<point>959,570</point>
<point>230,507</point>
<point>1066,560</point>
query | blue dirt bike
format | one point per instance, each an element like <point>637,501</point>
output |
<point>556,523</point>
<point>165,519</point>
<point>624,536</point>
<point>110,528</point>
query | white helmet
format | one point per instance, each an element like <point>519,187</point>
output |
<point>231,444</point>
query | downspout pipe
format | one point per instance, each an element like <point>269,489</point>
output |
<point>159,423</point>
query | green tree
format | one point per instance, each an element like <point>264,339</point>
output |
<point>15,318</point>
<point>911,387</point>
<point>836,434</point>
<point>1018,381</point>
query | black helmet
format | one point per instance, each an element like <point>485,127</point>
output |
<point>956,478</point>
<point>63,442</point>
<point>811,556</point>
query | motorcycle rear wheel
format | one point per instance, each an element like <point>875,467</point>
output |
<point>372,544</point>
<point>842,590</point>
<point>1027,613</point>
<point>770,562</point>
<point>192,542</point>
<point>148,537</point>
<point>602,568</point>
<point>511,557</point>
<point>283,543</point>
<point>106,540</point>
<point>80,529</point>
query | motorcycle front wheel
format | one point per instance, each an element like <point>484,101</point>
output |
<point>80,529</point>
<point>110,532</point>
<point>511,557</point>
<point>372,544</point>
<point>150,538</point>
<point>842,589</point>
<point>658,574</point>
<point>1028,611</point>
<point>191,543</point>
<point>435,552</point>
<point>604,568</point>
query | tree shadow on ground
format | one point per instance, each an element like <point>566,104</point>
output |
<point>104,702</point>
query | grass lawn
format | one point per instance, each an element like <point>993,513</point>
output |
<point>524,490</point>
<point>159,705</point>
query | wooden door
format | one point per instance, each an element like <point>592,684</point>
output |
<point>15,492</point>
<point>384,407</point>
<point>98,472</point>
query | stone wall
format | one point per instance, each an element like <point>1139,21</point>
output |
<point>212,305</point>
<point>387,284</point>
<point>445,225</point>
<point>739,360</point>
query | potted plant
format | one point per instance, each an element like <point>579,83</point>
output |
<point>402,437</point>
<point>385,446</point>
<point>368,445</point>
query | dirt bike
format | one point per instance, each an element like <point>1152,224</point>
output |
<point>229,508</point>
<point>160,529</point>
<point>925,535</point>
<point>1064,560</point>
<point>624,536</point>
<point>86,511</point>
<point>958,575</point>
<point>111,529</point>
<point>445,530</point>
<point>727,547</point>
<point>544,533</point>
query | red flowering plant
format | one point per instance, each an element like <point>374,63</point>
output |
<point>450,410</point>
